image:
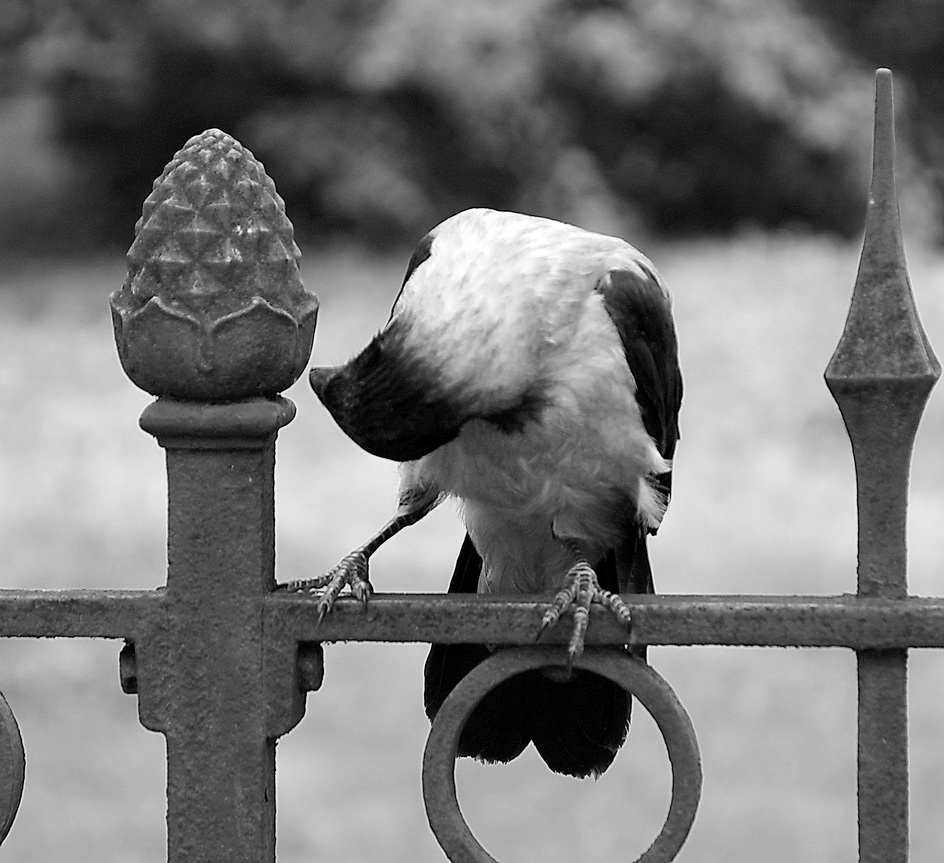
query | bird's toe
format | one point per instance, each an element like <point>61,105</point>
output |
<point>580,591</point>
<point>351,571</point>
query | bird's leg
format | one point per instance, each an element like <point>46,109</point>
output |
<point>352,569</point>
<point>580,590</point>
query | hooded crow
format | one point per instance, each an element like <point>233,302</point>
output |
<point>529,370</point>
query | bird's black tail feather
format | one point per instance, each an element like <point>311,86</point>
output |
<point>576,725</point>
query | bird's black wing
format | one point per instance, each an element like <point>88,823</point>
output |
<point>642,315</point>
<point>422,252</point>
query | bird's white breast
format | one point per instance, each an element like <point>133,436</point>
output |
<point>574,471</point>
<point>506,307</point>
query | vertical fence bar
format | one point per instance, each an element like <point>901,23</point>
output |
<point>12,767</point>
<point>881,376</point>
<point>883,756</point>
<point>204,687</point>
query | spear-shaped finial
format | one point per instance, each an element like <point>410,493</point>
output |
<point>883,337</point>
<point>883,370</point>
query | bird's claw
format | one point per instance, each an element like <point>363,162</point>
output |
<point>581,589</point>
<point>351,571</point>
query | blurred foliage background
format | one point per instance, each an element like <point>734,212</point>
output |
<point>379,118</point>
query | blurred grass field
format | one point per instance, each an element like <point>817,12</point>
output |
<point>764,503</point>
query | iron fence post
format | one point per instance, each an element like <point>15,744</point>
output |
<point>881,376</point>
<point>213,319</point>
<point>202,676</point>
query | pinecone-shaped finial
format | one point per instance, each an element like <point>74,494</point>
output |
<point>213,308</point>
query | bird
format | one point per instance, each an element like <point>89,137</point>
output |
<point>529,371</point>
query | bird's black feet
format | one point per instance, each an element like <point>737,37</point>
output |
<point>581,589</point>
<point>350,571</point>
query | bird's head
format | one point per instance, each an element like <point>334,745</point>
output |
<point>487,295</point>
<point>387,402</point>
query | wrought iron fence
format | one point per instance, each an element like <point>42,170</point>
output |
<point>214,321</point>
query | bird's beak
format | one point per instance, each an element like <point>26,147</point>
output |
<point>319,377</point>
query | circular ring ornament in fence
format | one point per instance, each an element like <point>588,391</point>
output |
<point>12,768</point>
<point>635,676</point>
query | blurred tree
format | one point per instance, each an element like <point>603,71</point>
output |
<point>381,117</point>
<point>908,37</point>
<point>718,112</point>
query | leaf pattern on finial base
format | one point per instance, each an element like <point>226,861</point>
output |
<point>213,307</point>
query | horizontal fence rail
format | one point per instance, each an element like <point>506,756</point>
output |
<point>214,321</point>
<point>662,619</point>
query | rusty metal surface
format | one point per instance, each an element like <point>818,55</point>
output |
<point>634,675</point>
<point>209,673</point>
<point>76,613</point>
<point>881,375</point>
<point>213,319</point>
<point>773,621</point>
<point>883,756</point>
<point>882,372</point>
<point>213,307</point>
<point>12,767</point>
<point>206,425</point>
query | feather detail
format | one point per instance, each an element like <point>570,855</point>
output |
<point>529,370</point>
